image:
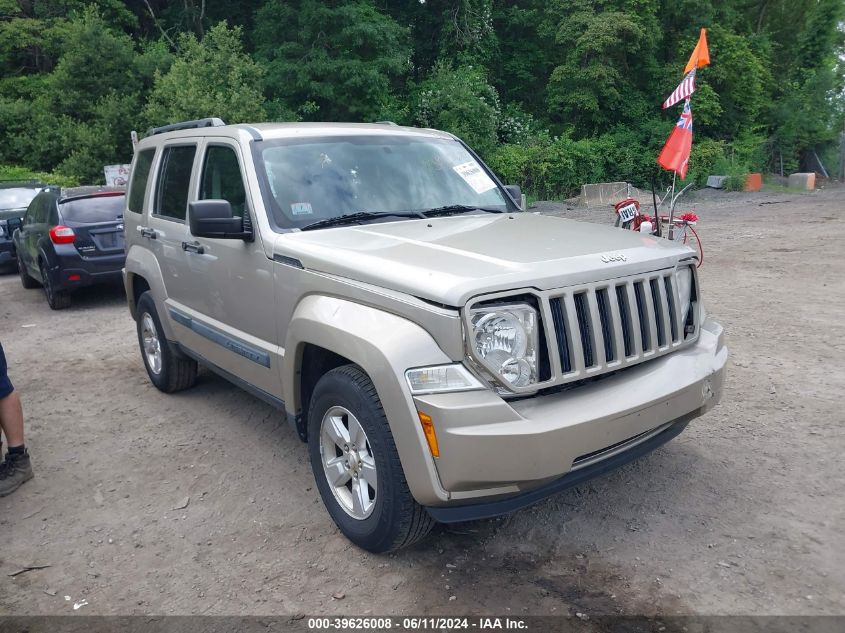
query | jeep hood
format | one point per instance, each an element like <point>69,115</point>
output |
<point>451,259</point>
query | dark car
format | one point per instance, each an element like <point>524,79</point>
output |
<point>71,238</point>
<point>14,199</point>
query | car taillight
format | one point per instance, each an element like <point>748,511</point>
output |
<point>62,235</point>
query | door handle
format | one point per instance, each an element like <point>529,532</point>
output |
<point>145,232</point>
<point>193,247</point>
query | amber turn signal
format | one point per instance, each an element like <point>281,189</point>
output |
<point>430,435</point>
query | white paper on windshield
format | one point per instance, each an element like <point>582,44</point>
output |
<point>474,176</point>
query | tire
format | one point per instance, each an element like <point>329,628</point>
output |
<point>394,519</point>
<point>169,370</point>
<point>56,299</point>
<point>26,281</point>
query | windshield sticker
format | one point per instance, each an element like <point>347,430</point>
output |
<point>301,208</point>
<point>474,176</point>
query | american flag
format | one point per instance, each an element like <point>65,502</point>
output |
<point>683,91</point>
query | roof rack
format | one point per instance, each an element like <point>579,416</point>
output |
<point>186,125</point>
<point>386,123</point>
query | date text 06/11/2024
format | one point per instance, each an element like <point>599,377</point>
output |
<point>415,623</point>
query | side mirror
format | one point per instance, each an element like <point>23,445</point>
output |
<point>213,218</point>
<point>12,225</point>
<point>515,192</point>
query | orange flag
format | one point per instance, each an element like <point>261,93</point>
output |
<point>701,55</point>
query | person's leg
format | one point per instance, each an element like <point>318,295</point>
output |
<point>16,468</point>
<point>11,419</point>
<point>11,415</point>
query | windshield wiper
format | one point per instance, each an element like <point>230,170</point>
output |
<point>450,209</point>
<point>352,218</point>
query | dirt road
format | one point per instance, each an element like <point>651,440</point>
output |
<point>203,502</point>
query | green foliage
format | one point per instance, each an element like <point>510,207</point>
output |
<point>706,159</point>
<point>554,93</point>
<point>460,101</point>
<point>209,77</point>
<point>734,90</point>
<point>604,53</point>
<point>22,174</point>
<point>524,55</point>
<point>343,60</point>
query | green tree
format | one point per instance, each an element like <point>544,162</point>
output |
<point>524,55</point>
<point>606,54</point>
<point>78,116</point>
<point>331,61</point>
<point>460,101</point>
<point>805,107</point>
<point>209,77</point>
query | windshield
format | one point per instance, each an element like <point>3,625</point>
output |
<point>308,180</point>
<point>16,198</point>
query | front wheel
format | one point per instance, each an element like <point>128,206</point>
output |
<point>356,465</point>
<point>168,369</point>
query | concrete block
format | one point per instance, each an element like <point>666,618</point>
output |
<point>805,181</point>
<point>753,182</point>
<point>716,182</point>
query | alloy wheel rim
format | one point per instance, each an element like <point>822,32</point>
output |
<point>348,462</point>
<point>150,344</point>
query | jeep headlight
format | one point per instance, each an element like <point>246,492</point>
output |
<point>505,339</point>
<point>683,282</point>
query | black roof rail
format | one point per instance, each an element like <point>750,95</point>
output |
<point>186,125</point>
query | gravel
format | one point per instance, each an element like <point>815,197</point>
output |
<point>744,513</point>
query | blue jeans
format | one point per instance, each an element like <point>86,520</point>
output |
<point>6,387</point>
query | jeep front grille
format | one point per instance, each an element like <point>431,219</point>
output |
<point>604,326</point>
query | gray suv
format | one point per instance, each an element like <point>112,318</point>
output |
<point>446,355</point>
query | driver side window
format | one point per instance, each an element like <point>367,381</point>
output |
<point>221,179</point>
<point>31,216</point>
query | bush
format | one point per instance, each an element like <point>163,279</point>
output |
<point>707,158</point>
<point>735,160</point>
<point>460,101</point>
<point>554,168</point>
<point>16,173</point>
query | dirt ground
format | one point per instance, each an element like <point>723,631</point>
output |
<point>744,513</point>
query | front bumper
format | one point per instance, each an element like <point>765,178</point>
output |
<point>496,456</point>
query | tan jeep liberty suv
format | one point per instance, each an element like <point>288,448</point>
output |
<point>446,355</point>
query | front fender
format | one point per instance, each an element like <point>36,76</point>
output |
<point>141,262</point>
<point>384,346</point>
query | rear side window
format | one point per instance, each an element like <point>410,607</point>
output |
<point>173,181</point>
<point>92,210</point>
<point>140,176</point>
<point>221,178</point>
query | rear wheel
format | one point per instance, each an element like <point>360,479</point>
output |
<point>26,281</point>
<point>356,465</point>
<point>57,299</point>
<point>168,369</point>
